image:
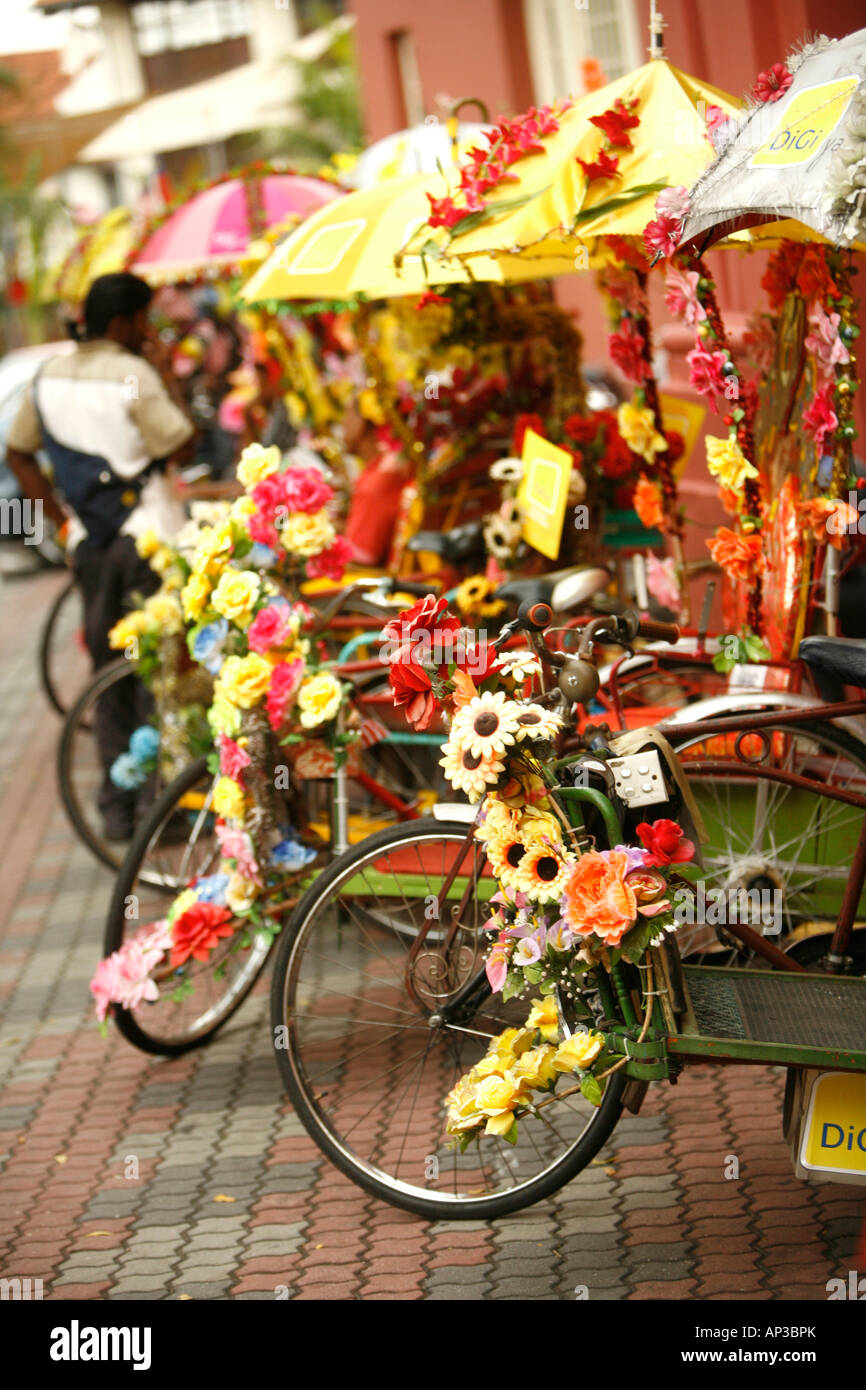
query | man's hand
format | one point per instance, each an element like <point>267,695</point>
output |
<point>35,485</point>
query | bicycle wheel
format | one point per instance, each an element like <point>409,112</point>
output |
<point>363,1059</point>
<point>174,844</point>
<point>64,662</point>
<point>80,770</point>
<point>787,848</point>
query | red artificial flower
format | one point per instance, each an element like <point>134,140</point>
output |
<point>662,235</point>
<point>606,166</point>
<point>716,121</point>
<point>814,280</point>
<point>413,693</point>
<point>627,253</point>
<point>666,843</point>
<point>583,429</point>
<point>521,425</point>
<point>615,122</point>
<point>617,461</point>
<point>444,212</point>
<point>331,563</point>
<point>626,349</point>
<point>676,445</point>
<point>772,84</point>
<point>820,419</point>
<point>196,932</point>
<point>705,373</point>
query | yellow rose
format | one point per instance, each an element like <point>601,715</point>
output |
<point>244,680</point>
<point>257,463</point>
<point>148,544</point>
<point>242,510</point>
<point>463,1113</point>
<point>319,699</point>
<point>194,596</point>
<point>512,1043</point>
<point>496,1097</point>
<point>544,1016</point>
<point>213,550</point>
<point>728,464</point>
<point>165,611</point>
<point>132,626</point>
<point>305,535</point>
<point>162,560</point>
<point>228,799</point>
<point>578,1052</point>
<point>224,717</point>
<point>637,427</point>
<point>235,595</point>
<point>240,892</point>
<point>491,1065</point>
<point>535,1068</point>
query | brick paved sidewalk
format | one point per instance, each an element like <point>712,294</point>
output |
<point>126,1177</point>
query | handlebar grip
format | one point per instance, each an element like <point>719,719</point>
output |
<point>658,632</point>
<point>535,616</point>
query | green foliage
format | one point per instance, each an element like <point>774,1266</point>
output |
<point>737,649</point>
<point>591,1090</point>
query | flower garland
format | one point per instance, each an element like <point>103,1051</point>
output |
<point>235,574</point>
<point>559,913</point>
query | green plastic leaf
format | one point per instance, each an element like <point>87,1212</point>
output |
<point>514,984</point>
<point>591,1090</point>
<point>510,1135</point>
<point>756,649</point>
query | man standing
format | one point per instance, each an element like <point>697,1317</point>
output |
<point>111,425</point>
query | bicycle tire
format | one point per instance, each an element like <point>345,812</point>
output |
<point>127,877</point>
<point>439,1205</point>
<point>49,686</point>
<point>115,671</point>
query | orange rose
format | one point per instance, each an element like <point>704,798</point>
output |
<point>739,555</point>
<point>597,897</point>
<point>648,503</point>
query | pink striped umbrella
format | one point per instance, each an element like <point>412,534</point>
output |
<point>215,227</point>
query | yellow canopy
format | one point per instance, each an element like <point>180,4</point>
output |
<point>551,209</point>
<point>100,250</point>
<point>348,248</point>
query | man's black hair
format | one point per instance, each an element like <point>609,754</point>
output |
<point>114,296</point>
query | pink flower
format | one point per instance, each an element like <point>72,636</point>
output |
<point>233,758</point>
<point>497,964</point>
<point>284,685</point>
<point>662,583</point>
<point>824,342</point>
<point>705,372</point>
<point>681,295</point>
<point>269,628</point>
<point>305,490</point>
<point>662,235</point>
<point>622,285</point>
<point>717,126</point>
<point>820,419</point>
<point>772,84</point>
<point>123,978</point>
<point>237,845</point>
<point>673,202</point>
<point>626,349</point>
<point>332,562</point>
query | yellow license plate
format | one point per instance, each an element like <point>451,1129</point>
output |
<point>834,1135</point>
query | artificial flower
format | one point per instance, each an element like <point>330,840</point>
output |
<point>194,596</point>
<point>236,594</point>
<point>507,470</point>
<point>830,519</point>
<point>244,680</point>
<point>719,127</point>
<point>519,666</point>
<point>233,758</point>
<point>271,627</point>
<point>740,556</point>
<point>319,699</point>
<point>497,1097</point>
<point>681,295</point>
<point>597,899</point>
<point>820,419</point>
<point>305,490</point>
<point>542,873</point>
<point>257,463</point>
<point>215,546</point>
<point>147,544</point>
<point>284,686</point>
<point>236,845</point>
<point>535,1067</point>
<point>307,535</point>
<point>207,646</point>
<point>616,122</point>
<point>647,502</point>
<point>627,349</point>
<point>241,892</point>
<point>544,1016</point>
<point>289,855</point>
<point>197,931</point>
<point>128,629</point>
<point>486,726</point>
<point>662,235</point>
<point>536,722</point>
<point>223,717</point>
<point>577,1053</point>
<point>706,372</point>
<point>824,342</point>
<point>331,563</point>
<point>665,843</point>
<point>728,464</point>
<point>661,580</point>
<point>604,166</point>
<point>637,426</point>
<point>521,425</point>
<point>772,84</point>
<point>468,771</point>
<point>673,202</point>
<point>229,799</point>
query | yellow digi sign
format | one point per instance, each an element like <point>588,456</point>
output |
<point>834,1135</point>
<point>805,124</point>
<point>686,417</point>
<point>543,493</point>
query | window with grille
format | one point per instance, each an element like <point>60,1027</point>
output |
<point>563,34</point>
<point>162,25</point>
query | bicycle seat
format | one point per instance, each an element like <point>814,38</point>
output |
<point>452,546</point>
<point>564,589</point>
<point>843,657</point>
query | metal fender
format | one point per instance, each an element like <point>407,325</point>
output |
<point>455,810</point>
<point>687,646</point>
<point>752,701</point>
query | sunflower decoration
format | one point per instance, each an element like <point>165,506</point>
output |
<point>543,871</point>
<point>502,532</point>
<point>488,724</point>
<point>474,598</point>
<point>537,724</point>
